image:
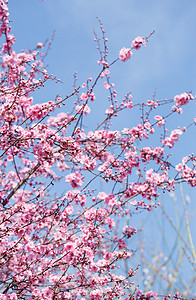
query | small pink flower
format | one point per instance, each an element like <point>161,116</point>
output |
<point>101,195</point>
<point>128,104</point>
<point>92,96</point>
<point>137,42</point>
<point>125,54</point>
<point>74,179</point>
<point>109,111</point>
<point>40,45</point>
<point>183,99</point>
<point>160,120</point>
<point>179,168</point>
<point>68,210</point>
<point>46,293</point>
<point>106,86</point>
<point>36,292</point>
<point>174,137</point>
<point>129,231</point>
<point>121,244</point>
<point>84,97</point>
<point>96,295</point>
<point>68,246</point>
<point>83,108</point>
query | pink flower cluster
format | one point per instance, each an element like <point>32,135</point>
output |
<point>155,178</point>
<point>128,231</point>
<point>74,179</point>
<point>189,174</point>
<point>183,99</point>
<point>140,295</point>
<point>125,54</point>
<point>137,42</point>
<point>160,120</point>
<point>174,137</point>
<point>83,109</point>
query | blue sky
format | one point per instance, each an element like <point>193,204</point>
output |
<point>167,64</point>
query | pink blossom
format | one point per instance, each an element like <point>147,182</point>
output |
<point>106,86</point>
<point>101,195</point>
<point>69,210</point>
<point>74,179</point>
<point>183,98</point>
<point>109,111</point>
<point>69,246</point>
<point>92,96</point>
<point>122,244</point>
<point>46,293</point>
<point>137,42</point>
<point>179,167</point>
<point>36,292</point>
<point>111,223</point>
<point>125,54</point>
<point>174,136</point>
<point>128,104</point>
<point>129,231</point>
<point>160,120</point>
<point>84,97</point>
<point>156,178</point>
<point>62,166</point>
<point>83,108</point>
<point>40,45</point>
<point>96,294</point>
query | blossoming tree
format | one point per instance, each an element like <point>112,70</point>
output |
<point>60,241</point>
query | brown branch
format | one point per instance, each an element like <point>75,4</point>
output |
<point>24,180</point>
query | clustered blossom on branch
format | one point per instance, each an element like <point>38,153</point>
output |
<point>125,53</point>
<point>137,42</point>
<point>174,137</point>
<point>62,241</point>
<point>183,99</point>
